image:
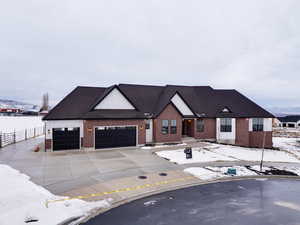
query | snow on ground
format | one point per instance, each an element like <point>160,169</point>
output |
<point>162,146</point>
<point>211,173</point>
<point>218,152</point>
<point>199,155</point>
<point>20,199</point>
<point>286,143</point>
<point>252,154</point>
<point>11,123</point>
<point>289,144</point>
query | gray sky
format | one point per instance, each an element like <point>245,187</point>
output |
<point>52,46</point>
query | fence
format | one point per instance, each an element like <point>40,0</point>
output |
<point>21,135</point>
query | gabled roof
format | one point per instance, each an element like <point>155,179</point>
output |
<point>291,118</point>
<point>150,101</point>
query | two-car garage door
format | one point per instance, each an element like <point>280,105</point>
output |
<point>110,137</point>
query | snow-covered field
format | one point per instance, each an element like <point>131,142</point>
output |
<point>22,200</point>
<point>288,144</point>
<point>218,152</point>
<point>11,123</point>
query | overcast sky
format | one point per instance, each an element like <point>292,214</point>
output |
<point>52,46</point>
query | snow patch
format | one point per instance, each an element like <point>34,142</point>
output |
<point>22,200</point>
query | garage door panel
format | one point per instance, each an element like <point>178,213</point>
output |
<point>115,137</point>
<point>66,138</point>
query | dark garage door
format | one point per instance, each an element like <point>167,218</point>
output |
<point>110,137</point>
<point>66,138</point>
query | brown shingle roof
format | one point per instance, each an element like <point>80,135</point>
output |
<point>151,100</point>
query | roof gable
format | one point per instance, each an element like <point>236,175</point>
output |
<point>182,107</point>
<point>114,100</point>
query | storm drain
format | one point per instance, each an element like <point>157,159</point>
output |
<point>163,174</point>
<point>142,177</point>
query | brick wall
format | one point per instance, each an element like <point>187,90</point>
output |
<point>209,129</point>
<point>169,113</point>
<point>256,139</point>
<point>48,144</point>
<point>89,129</point>
<point>242,132</point>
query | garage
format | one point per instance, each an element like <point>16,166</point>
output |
<point>112,137</point>
<point>66,138</point>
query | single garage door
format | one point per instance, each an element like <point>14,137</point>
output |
<point>110,137</point>
<point>66,138</point>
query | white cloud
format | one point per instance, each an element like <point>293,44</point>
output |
<point>252,46</point>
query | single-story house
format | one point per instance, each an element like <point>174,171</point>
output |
<point>135,115</point>
<point>292,121</point>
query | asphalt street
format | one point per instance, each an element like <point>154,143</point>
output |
<point>245,202</point>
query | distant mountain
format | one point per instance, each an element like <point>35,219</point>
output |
<point>284,111</point>
<point>4,103</point>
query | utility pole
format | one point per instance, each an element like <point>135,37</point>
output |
<point>263,151</point>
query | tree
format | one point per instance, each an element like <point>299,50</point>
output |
<point>45,102</point>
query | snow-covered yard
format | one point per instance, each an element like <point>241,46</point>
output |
<point>288,144</point>
<point>218,152</point>
<point>11,123</point>
<point>212,173</point>
<point>22,200</point>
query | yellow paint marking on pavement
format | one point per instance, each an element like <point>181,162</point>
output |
<point>122,190</point>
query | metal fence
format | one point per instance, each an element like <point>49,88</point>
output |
<point>21,135</point>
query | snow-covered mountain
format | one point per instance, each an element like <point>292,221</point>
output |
<point>284,110</point>
<point>18,105</point>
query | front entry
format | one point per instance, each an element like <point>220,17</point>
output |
<point>187,127</point>
<point>112,137</point>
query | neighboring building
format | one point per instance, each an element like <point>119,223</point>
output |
<point>10,112</point>
<point>133,115</point>
<point>292,121</point>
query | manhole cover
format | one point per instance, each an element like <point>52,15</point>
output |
<point>163,174</point>
<point>142,177</point>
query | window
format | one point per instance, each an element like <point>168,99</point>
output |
<point>147,124</point>
<point>173,126</point>
<point>165,127</point>
<point>226,124</point>
<point>200,125</point>
<point>258,124</point>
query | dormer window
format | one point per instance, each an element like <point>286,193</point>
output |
<point>225,110</point>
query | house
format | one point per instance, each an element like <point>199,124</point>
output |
<point>134,115</point>
<point>292,121</point>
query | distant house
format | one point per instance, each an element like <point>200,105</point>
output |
<point>134,115</point>
<point>292,121</point>
<point>10,111</point>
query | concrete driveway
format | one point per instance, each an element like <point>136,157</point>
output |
<point>60,172</point>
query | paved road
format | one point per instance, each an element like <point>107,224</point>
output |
<point>248,202</point>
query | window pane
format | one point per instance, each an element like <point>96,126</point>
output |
<point>200,125</point>
<point>173,127</point>
<point>173,122</point>
<point>165,127</point>
<point>257,124</point>
<point>226,124</point>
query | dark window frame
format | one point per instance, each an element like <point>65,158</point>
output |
<point>173,128</point>
<point>257,124</point>
<point>226,125</point>
<point>200,125</point>
<point>165,128</point>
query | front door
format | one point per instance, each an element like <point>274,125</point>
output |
<point>149,131</point>
<point>187,127</point>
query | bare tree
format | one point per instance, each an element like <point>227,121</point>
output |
<point>45,102</point>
